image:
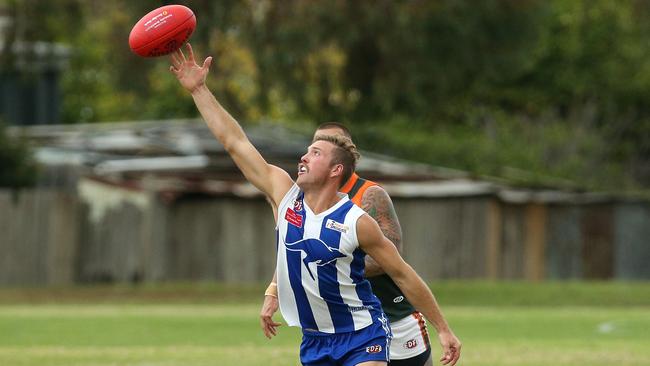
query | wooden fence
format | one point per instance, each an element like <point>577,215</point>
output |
<point>109,234</point>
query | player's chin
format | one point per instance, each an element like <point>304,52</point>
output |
<point>301,180</point>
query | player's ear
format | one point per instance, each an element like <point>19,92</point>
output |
<point>337,170</point>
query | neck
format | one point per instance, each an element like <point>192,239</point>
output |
<point>320,200</point>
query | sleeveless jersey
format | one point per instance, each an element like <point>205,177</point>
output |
<point>320,267</point>
<point>392,299</point>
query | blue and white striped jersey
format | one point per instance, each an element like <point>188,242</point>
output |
<point>320,267</point>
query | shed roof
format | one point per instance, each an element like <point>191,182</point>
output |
<point>182,156</point>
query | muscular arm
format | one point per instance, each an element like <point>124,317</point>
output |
<point>385,253</point>
<point>374,243</point>
<point>378,205</point>
<point>271,180</point>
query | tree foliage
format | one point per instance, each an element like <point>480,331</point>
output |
<point>552,91</point>
<point>17,168</point>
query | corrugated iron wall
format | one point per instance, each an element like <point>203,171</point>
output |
<point>632,238</point>
<point>445,238</point>
<point>38,237</point>
<point>50,237</point>
<point>563,252</point>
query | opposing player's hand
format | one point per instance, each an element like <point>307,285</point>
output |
<point>450,348</point>
<point>187,71</point>
<point>269,327</point>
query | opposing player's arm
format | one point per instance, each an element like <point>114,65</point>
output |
<point>374,243</point>
<point>377,203</point>
<point>271,180</point>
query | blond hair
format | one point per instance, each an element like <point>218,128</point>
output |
<point>335,125</point>
<point>345,153</point>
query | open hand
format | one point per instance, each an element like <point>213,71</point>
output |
<point>187,71</point>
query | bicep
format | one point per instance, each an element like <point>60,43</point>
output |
<point>378,205</point>
<point>373,242</point>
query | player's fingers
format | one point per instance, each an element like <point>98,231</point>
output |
<point>272,330</point>
<point>265,329</point>
<point>454,358</point>
<point>269,320</point>
<point>190,52</point>
<point>266,319</point>
<point>457,353</point>
<point>207,62</point>
<point>274,326</point>
<point>180,54</point>
<point>446,358</point>
<point>173,57</point>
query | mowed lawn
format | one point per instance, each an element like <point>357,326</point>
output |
<point>502,324</point>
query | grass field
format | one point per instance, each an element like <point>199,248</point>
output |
<point>499,324</point>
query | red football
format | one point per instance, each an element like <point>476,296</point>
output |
<point>162,31</point>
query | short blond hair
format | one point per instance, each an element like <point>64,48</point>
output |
<point>345,153</point>
<point>335,125</point>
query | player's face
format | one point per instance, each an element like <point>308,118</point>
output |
<point>315,166</point>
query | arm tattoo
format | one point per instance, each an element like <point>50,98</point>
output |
<point>378,205</point>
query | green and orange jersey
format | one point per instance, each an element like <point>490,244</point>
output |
<point>392,299</point>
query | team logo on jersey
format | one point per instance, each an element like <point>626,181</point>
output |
<point>398,299</point>
<point>297,205</point>
<point>374,349</point>
<point>316,252</point>
<point>293,218</point>
<point>333,225</point>
<point>411,343</point>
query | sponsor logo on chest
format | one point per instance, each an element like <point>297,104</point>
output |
<point>337,226</point>
<point>353,309</point>
<point>293,218</point>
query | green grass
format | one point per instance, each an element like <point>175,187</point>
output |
<point>206,324</point>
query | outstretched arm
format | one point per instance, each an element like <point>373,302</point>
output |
<point>375,244</point>
<point>271,180</point>
<point>378,205</point>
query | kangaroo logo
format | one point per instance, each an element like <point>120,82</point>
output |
<point>317,252</point>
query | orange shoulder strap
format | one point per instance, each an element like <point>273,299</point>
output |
<point>355,187</point>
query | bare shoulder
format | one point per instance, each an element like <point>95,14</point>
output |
<point>367,229</point>
<point>281,182</point>
<point>373,197</point>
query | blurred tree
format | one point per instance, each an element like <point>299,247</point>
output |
<point>17,168</point>
<point>558,88</point>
